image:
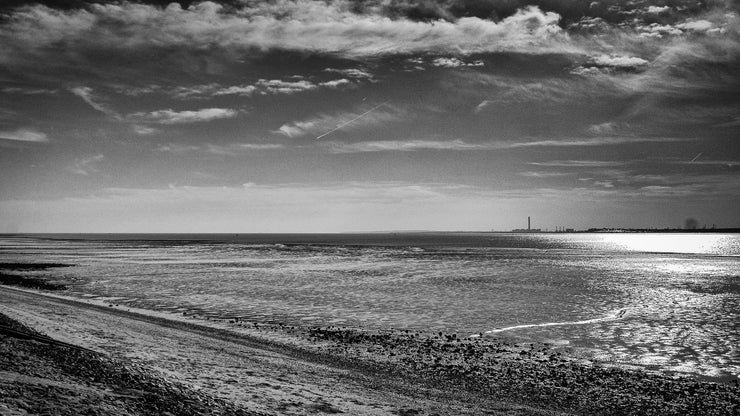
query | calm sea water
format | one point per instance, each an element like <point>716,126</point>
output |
<point>669,302</point>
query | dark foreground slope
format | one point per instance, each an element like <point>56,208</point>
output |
<point>41,378</point>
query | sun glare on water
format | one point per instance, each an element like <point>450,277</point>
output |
<point>716,244</point>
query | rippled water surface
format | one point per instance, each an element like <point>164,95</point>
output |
<point>665,301</point>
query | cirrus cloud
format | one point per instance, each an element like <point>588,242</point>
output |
<point>24,135</point>
<point>170,116</point>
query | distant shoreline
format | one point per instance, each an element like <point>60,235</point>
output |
<point>628,230</point>
<point>186,235</point>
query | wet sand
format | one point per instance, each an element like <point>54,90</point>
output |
<point>243,367</point>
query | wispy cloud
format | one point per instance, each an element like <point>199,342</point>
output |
<point>88,96</point>
<point>402,146</point>
<point>243,90</point>
<point>28,91</point>
<point>701,162</point>
<point>239,148</point>
<point>177,148</point>
<point>206,91</point>
<point>320,125</point>
<point>24,135</point>
<point>541,174</point>
<point>579,163</point>
<point>336,83</point>
<point>165,117</point>
<point>596,141</point>
<point>277,86</point>
<point>87,165</point>
<point>507,90</point>
<point>461,145</point>
<point>144,130</point>
<point>351,73</point>
<point>607,128</point>
<point>218,149</point>
<point>181,117</point>
<point>261,87</point>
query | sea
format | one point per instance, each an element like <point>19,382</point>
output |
<point>665,302</point>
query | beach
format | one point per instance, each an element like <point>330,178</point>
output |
<point>239,367</point>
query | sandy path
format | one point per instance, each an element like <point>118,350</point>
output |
<point>256,374</point>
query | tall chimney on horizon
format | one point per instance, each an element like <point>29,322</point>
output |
<point>529,224</point>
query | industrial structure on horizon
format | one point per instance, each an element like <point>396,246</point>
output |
<point>562,229</point>
<point>529,229</point>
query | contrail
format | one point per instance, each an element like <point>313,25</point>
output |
<point>696,157</point>
<point>354,119</point>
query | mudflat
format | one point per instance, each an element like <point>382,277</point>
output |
<point>144,363</point>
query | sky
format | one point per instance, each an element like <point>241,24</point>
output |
<point>334,116</point>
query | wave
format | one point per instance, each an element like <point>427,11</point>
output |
<point>619,313</point>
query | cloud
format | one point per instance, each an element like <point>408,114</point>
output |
<point>604,129</point>
<point>181,117</point>
<point>518,90</point>
<point>28,91</point>
<point>579,163</point>
<point>354,30</point>
<point>219,149</point>
<point>610,64</point>
<point>323,27</point>
<point>604,184</point>
<point>166,117</point>
<point>276,86</point>
<point>87,95</point>
<point>240,148</point>
<point>455,63</point>
<point>732,123</point>
<point>244,90</point>
<point>619,61</point>
<point>261,86</point>
<point>461,145</point>
<point>24,135</point>
<point>596,141</point>
<point>85,166</point>
<point>177,148</point>
<point>144,130</point>
<point>336,83</point>
<point>539,174</point>
<point>657,30</point>
<point>346,121</point>
<point>401,146</point>
<point>191,91</point>
<point>657,9</point>
<point>697,25</point>
<point>351,73</point>
<point>701,162</point>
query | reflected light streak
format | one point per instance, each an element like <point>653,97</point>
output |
<point>717,244</point>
